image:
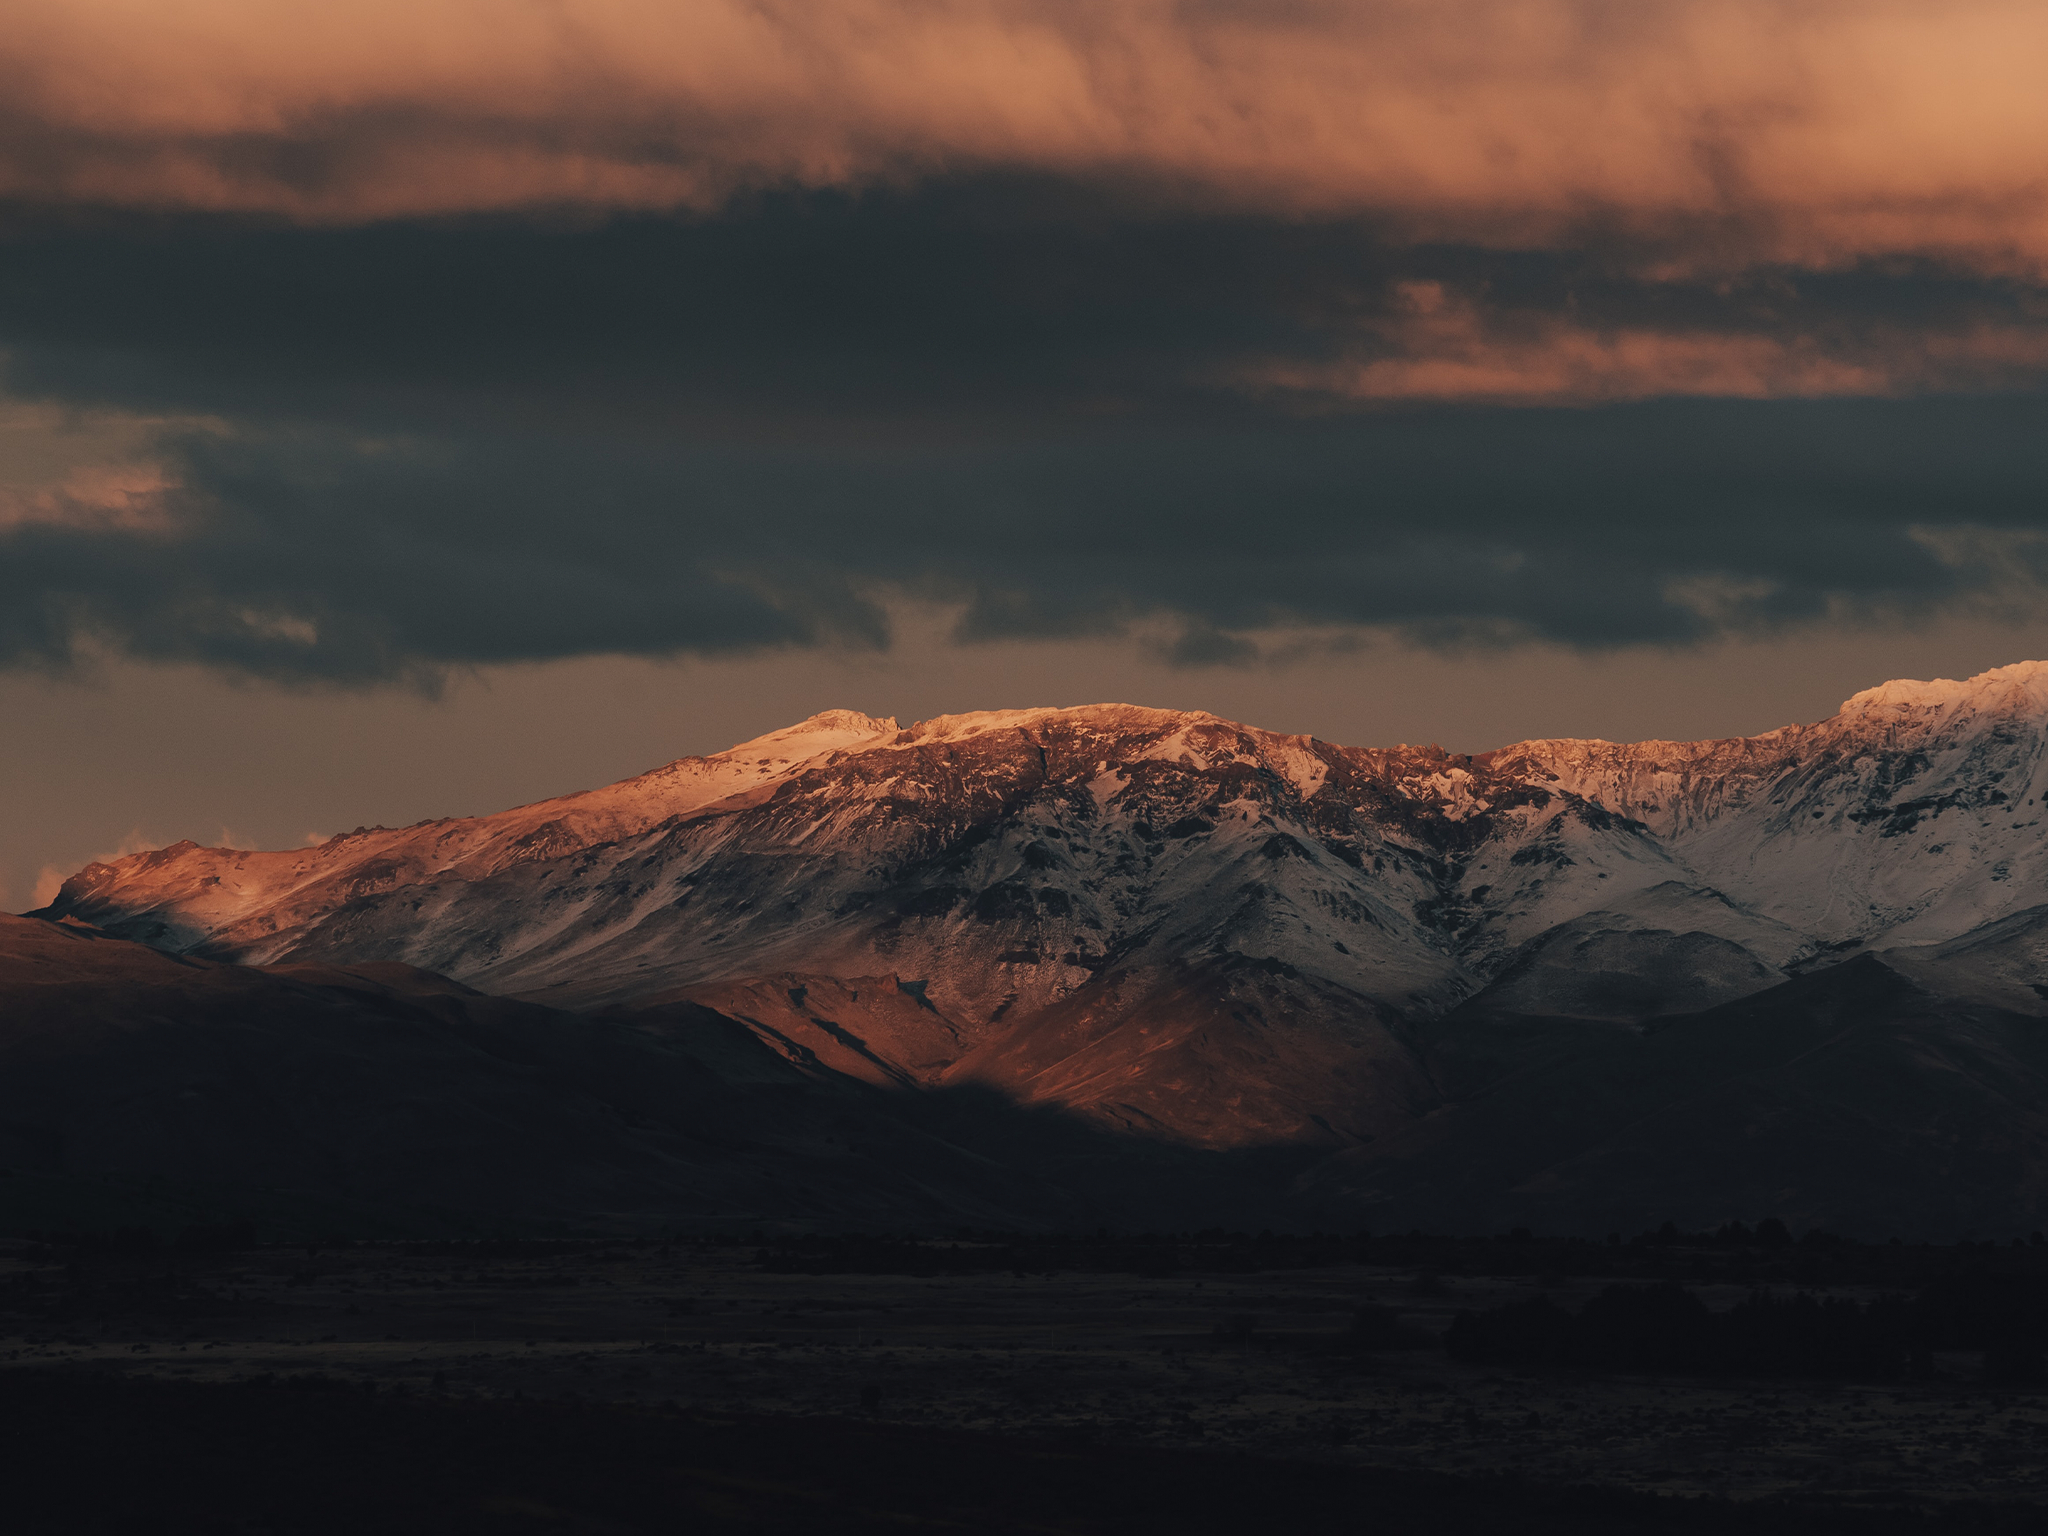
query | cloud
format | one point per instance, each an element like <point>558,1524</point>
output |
<point>986,300</point>
<point>384,452</point>
<point>325,558</point>
<point>455,335</point>
<point>1441,345</point>
<point>92,496</point>
<point>1807,131</point>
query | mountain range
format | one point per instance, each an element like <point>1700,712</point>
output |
<point>1108,958</point>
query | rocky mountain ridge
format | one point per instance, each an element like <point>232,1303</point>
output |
<point>1176,925</point>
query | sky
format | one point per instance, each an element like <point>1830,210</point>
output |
<point>410,410</point>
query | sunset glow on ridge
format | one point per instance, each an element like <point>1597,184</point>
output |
<point>1062,767</point>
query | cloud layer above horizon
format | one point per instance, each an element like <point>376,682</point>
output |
<point>1815,130</point>
<point>353,344</point>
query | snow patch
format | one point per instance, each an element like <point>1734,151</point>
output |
<point>1295,763</point>
<point>2024,683</point>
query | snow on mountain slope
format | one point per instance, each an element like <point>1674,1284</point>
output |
<point>1674,949</point>
<point>237,901</point>
<point>1163,918</point>
<point>2003,963</point>
<point>1913,815</point>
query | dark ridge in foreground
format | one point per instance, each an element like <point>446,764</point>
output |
<point>144,1089</point>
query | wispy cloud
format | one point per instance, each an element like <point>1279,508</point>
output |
<point>1440,345</point>
<point>127,497</point>
<point>1811,131</point>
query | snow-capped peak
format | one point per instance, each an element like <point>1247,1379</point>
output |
<point>1015,854</point>
<point>949,728</point>
<point>830,730</point>
<point>2023,686</point>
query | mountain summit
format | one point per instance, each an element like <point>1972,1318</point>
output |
<point>952,847</point>
<point>1182,927</point>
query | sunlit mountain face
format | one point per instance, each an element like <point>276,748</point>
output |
<point>1196,933</point>
<point>345,357</point>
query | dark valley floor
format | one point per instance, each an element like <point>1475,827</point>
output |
<point>564,1386</point>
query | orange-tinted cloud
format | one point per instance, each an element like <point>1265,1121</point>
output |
<point>1814,131</point>
<point>125,497</point>
<point>1443,346</point>
<point>94,471</point>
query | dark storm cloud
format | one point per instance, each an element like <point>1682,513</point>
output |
<point>1067,407</point>
<point>1662,522</point>
<point>937,305</point>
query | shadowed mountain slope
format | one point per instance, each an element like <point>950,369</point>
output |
<point>388,1099</point>
<point>1188,930</point>
<point>1850,1099</point>
<point>382,1099</point>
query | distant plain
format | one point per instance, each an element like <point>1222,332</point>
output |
<point>1266,1363</point>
